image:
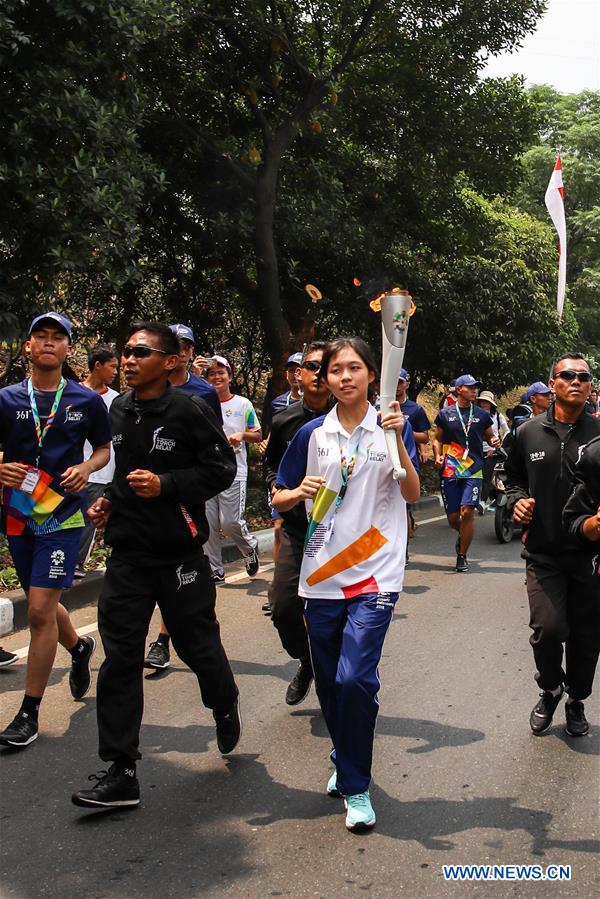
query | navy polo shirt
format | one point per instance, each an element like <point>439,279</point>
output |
<point>81,416</point>
<point>196,386</point>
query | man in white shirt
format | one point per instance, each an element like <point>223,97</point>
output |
<point>103,366</point>
<point>226,511</point>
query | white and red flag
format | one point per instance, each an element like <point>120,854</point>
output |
<point>555,204</point>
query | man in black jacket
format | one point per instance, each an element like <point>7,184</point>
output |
<point>287,606</point>
<point>171,456</point>
<point>561,585</point>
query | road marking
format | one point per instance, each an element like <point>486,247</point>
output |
<point>92,628</point>
<point>429,520</point>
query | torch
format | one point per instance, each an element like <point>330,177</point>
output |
<point>396,308</point>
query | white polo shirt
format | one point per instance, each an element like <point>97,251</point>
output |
<point>106,474</point>
<point>239,415</point>
<point>357,545</point>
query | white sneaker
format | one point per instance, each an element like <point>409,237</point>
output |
<point>332,789</point>
<point>360,813</point>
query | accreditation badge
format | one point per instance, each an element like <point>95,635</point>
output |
<point>31,479</point>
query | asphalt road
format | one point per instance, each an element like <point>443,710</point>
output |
<point>458,777</point>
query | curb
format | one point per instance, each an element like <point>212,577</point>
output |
<point>427,502</point>
<point>13,604</point>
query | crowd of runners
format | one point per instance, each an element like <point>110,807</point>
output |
<point>161,469</point>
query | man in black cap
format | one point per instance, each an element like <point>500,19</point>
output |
<point>44,423</point>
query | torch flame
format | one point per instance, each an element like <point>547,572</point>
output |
<point>375,303</point>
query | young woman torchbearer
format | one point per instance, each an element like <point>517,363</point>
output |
<point>353,562</point>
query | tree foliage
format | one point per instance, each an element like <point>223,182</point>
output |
<point>570,124</point>
<point>73,180</point>
<point>203,161</point>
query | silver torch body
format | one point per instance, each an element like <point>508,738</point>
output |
<point>395,316</point>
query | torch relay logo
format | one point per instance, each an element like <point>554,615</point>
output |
<point>185,577</point>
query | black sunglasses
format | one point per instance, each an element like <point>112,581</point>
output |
<point>311,366</point>
<point>569,375</point>
<point>140,351</point>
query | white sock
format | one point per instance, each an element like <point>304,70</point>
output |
<point>557,692</point>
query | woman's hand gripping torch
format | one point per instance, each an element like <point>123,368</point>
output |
<point>396,308</point>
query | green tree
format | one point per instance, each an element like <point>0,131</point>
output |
<point>73,180</point>
<point>248,92</point>
<point>570,124</point>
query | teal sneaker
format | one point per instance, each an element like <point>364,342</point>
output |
<point>360,813</point>
<point>332,789</point>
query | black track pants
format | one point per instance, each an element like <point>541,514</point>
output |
<point>564,604</point>
<point>288,607</point>
<point>185,594</point>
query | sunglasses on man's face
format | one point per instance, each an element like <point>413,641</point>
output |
<point>140,351</point>
<point>311,366</point>
<point>569,375</point>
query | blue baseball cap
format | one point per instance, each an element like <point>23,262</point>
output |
<point>467,381</point>
<point>183,332</point>
<point>56,318</point>
<point>536,387</point>
<point>404,375</point>
<point>294,359</point>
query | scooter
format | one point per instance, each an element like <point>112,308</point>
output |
<point>504,525</point>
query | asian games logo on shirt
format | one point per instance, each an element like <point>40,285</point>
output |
<point>165,444</point>
<point>70,415</point>
<point>185,577</point>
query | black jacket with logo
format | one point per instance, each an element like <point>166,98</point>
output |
<point>584,502</point>
<point>177,437</point>
<point>542,465</point>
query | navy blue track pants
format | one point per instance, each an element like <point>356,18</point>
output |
<point>346,639</point>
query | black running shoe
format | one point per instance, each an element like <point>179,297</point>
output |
<point>251,561</point>
<point>461,562</point>
<point>80,676</point>
<point>114,789</point>
<point>7,658</point>
<point>577,723</point>
<point>218,577</point>
<point>22,731</point>
<point>229,727</point>
<point>299,685</point>
<point>541,714</point>
<point>158,656</point>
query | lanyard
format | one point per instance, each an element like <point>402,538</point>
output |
<point>465,427</point>
<point>41,434</point>
<point>346,468</point>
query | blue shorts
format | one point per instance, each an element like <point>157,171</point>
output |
<point>457,492</point>
<point>46,560</point>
